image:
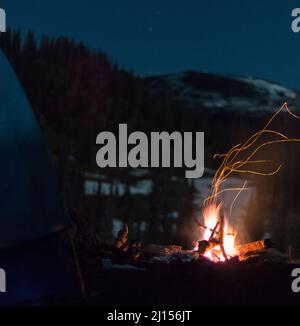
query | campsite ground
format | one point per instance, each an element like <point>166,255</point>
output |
<point>193,284</point>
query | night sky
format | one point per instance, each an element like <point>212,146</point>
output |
<point>155,37</point>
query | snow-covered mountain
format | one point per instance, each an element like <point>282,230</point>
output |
<point>203,90</point>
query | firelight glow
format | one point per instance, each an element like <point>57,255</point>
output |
<point>234,163</point>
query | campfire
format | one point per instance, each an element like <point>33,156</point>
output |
<point>218,243</point>
<point>219,238</point>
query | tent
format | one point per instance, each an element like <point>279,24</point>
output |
<point>31,208</point>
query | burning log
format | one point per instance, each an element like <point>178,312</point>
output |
<point>254,246</point>
<point>261,251</point>
<point>251,246</point>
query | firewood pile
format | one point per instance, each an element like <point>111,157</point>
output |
<point>134,253</point>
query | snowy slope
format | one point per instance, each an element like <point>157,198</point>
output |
<point>203,90</point>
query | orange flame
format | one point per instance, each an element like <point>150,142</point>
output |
<point>211,214</point>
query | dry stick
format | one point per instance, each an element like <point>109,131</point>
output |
<point>213,231</point>
<point>221,232</point>
<point>78,268</point>
<point>203,226</point>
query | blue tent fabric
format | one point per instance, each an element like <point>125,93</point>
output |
<point>38,274</point>
<point>31,208</point>
<point>30,205</point>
